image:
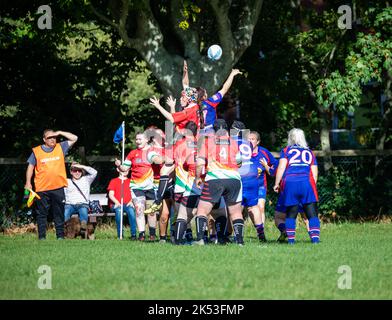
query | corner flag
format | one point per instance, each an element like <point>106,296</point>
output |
<point>119,134</point>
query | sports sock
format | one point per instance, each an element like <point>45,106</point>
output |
<point>290,229</point>
<point>220,226</point>
<point>152,231</point>
<point>188,235</point>
<point>179,230</point>
<point>260,229</point>
<point>282,227</point>
<point>238,227</point>
<point>213,238</point>
<point>163,184</point>
<point>205,237</point>
<point>314,229</point>
<point>201,225</point>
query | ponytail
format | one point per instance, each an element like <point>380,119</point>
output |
<point>201,117</point>
<point>201,93</point>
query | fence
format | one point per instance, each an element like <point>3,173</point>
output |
<point>357,163</point>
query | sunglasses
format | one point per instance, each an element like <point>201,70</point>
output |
<point>76,170</point>
<point>51,137</point>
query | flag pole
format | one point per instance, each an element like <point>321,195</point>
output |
<point>122,181</point>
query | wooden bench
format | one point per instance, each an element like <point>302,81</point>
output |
<point>104,202</point>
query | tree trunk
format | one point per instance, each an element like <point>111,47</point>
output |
<point>148,40</point>
<point>324,123</point>
<point>384,126</point>
<point>324,139</point>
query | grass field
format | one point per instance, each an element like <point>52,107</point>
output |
<point>110,269</point>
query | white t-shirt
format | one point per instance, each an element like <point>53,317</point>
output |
<point>72,194</point>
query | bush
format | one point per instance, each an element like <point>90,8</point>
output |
<point>353,194</point>
<point>13,209</point>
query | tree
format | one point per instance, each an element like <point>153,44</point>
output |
<point>153,30</point>
<point>322,51</point>
<point>76,78</point>
<point>369,60</point>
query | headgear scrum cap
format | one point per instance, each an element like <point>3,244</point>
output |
<point>190,93</point>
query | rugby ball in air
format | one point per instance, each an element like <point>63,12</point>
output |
<point>214,52</point>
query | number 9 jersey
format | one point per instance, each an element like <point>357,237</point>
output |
<point>298,185</point>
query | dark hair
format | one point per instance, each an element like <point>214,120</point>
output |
<point>220,124</point>
<point>191,126</point>
<point>201,92</point>
<point>237,124</point>
<point>45,131</point>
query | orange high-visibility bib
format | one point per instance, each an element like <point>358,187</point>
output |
<point>49,171</point>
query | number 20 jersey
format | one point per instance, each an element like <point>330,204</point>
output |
<point>298,185</point>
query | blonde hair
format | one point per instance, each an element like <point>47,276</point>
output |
<point>297,137</point>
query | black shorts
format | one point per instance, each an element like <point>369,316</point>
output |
<point>229,189</point>
<point>217,205</point>
<point>149,194</point>
<point>169,193</point>
<point>187,201</point>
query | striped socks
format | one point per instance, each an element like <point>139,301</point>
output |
<point>290,230</point>
<point>314,229</point>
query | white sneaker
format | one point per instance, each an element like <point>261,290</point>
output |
<point>198,243</point>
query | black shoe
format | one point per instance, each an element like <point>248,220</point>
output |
<point>224,240</point>
<point>262,237</point>
<point>282,238</point>
<point>213,240</point>
<point>133,238</point>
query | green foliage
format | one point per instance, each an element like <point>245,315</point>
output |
<point>338,192</point>
<point>189,13</point>
<point>346,94</point>
<point>13,211</point>
<point>135,100</point>
<point>369,56</point>
<point>75,81</point>
<point>352,194</point>
<point>16,30</point>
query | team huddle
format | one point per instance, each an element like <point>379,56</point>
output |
<point>216,175</point>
